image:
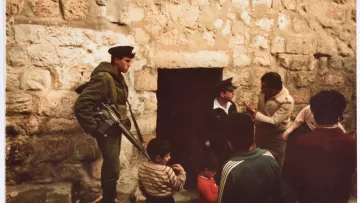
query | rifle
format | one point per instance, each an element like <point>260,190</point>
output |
<point>111,115</point>
<point>136,125</point>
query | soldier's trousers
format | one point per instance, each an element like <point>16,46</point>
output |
<point>110,169</point>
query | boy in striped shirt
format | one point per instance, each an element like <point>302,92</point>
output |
<point>157,181</point>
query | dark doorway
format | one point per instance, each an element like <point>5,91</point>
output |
<point>185,96</point>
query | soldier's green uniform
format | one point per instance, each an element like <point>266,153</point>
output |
<point>100,89</point>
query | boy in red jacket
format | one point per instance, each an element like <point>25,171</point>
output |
<point>208,190</point>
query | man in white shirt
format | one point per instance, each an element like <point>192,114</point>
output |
<point>273,115</point>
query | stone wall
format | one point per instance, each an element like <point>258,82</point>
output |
<point>52,46</point>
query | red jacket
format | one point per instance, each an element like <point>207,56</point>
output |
<point>208,190</point>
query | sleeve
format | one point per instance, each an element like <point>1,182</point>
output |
<point>341,127</point>
<point>176,182</point>
<point>210,193</point>
<point>226,190</point>
<point>280,115</point>
<point>299,120</point>
<point>89,99</point>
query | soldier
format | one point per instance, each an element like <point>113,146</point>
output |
<point>214,132</point>
<point>107,84</point>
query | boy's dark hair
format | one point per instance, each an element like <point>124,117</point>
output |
<point>158,146</point>
<point>208,161</point>
<point>328,107</point>
<point>273,80</point>
<point>239,131</point>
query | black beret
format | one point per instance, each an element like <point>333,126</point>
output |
<point>122,51</point>
<point>225,85</point>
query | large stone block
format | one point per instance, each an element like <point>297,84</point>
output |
<point>131,14</point>
<point>262,59</point>
<point>27,33</point>
<point>60,125</point>
<point>17,152</point>
<point>266,3</point>
<point>141,36</point>
<point>19,103</point>
<point>284,60</point>
<point>14,7</point>
<point>75,9</point>
<point>21,125</point>
<point>350,64</point>
<point>326,45</point>
<point>70,172</point>
<point>16,55</point>
<point>65,36</point>
<point>344,49</point>
<point>85,148</point>
<point>45,8</point>
<point>35,79</point>
<point>283,22</point>
<point>70,78</point>
<point>239,39</point>
<point>147,123</point>
<point>304,79</point>
<point>70,56</point>
<point>58,104</point>
<point>336,13</point>
<point>301,95</point>
<point>336,62</point>
<point>56,149</point>
<point>12,80</point>
<point>260,42</point>
<point>56,192</point>
<point>265,24</point>
<point>171,59</point>
<point>43,55</point>
<point>241,77</point>
<point>300,62</point>
<point>246,17</point>
<point>278,45</point>
<point>146,79</point>
<point>298,45</point>
<point>241,3</point>
<point>334,79</point>
<point>240,58</point>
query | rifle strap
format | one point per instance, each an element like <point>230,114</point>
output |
<point>135,123</point>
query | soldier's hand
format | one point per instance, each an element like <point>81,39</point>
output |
<point>105,135</point>
<point>178,167</point>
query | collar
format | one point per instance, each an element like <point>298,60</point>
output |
<point>217,105</point>
<point>280,97</point>
<point>327,126</point>
<point>248,155</point>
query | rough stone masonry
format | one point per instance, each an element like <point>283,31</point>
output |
<point>53,45</point>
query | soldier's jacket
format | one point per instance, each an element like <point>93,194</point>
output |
<point>98,90</point>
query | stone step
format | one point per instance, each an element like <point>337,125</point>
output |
<point>30,193</point>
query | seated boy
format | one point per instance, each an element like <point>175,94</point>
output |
<point>208,190</point>
<point>157,181</point>
<point>251,174</point>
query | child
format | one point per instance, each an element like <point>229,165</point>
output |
<point>208,190</point>
<point>157,181</point>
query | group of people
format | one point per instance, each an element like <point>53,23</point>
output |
<point>257,156</point>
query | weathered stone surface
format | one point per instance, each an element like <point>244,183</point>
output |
<point>45,8</point>
<point>265,24</point>
<point>19,103</point>
<point>300,25</point>
<point>141,36</point>
<point>70,78</point>
<point>146,79</point>
<point>70,172</point>
<point>336,13</point>
<point>147,123</point>
<point>335,62</point>
<point>28,33</point>
<point>304,79</point>
<point>101,2</point>
<point>43,55</point>
<point>284,60</point>
<point>242,77</point>
<point>60,125</point>
<point>298,45</point>
<point>170,59</point>
<point>344,49</point>
<point>299,62</point>
<point>227,28</point>
<point>14,7</point>
<point>289,4</point>
<point>16,55</point>
<point>283,22</point>
<point>241,58</point>
<point>56,104</point>
<point>326,45</point>
<point>57,192</point>
<point>353,15</point>
<point>238,39</point>
<point>278,45</point>
<point>350,64</point>
<point>260,42</point>
<point>128,179</point>
<point>35,79</point>
<point>131,14</point>
<point>75,9</point>
<point>334,79</point>
<point>241,3</point>
<point>56,149</point>
<point>25,125</point>
<point>262,59</point>
<point>266,3</point>
<point>340,1</point>
<point>17,152</point>
<point>12,80</point>
<point>199,2</point>
<point>301,95</point>
<point>85,148</point>
<point>246,18</point>
<point>96,168</point>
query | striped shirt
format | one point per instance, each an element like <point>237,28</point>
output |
<point>159,180</point>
